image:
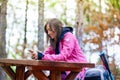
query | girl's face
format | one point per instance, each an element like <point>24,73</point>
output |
<point>50,32</point>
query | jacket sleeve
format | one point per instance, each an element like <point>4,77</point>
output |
<point>65,52</point>
<point>49,51</point>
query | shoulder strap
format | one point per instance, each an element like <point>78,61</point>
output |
<point>105,63</point>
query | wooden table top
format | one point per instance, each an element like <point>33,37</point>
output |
<point>46,65</point>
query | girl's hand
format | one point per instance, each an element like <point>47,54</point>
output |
<point>33,54</point>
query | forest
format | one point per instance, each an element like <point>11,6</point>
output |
<point>96,25</point>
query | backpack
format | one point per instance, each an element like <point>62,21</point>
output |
<point>101,72</point>
<point>97,73</point>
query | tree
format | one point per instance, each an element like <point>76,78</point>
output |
<point>25,29</point>
<point>40,25</point>
<point>79,21</point>
<point>102,29</point>
<point>3,8</point>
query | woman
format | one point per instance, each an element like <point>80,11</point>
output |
<point>63,44</point>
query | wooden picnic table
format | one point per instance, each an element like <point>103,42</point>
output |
<point>55,68</point>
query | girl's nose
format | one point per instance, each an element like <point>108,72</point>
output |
<point>48,32</point>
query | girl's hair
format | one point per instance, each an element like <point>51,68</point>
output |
<point>56,26</point>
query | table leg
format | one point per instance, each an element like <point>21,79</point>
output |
<point>55,75</point>
<point>27,74</point>
<point>72,76</point>
<point>20,72</point>
<point>9,71</point>
<point>39,75</point>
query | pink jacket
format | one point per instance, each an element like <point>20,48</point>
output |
<point>70,50</point>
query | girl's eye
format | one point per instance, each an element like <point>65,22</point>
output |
<point>49,30</point>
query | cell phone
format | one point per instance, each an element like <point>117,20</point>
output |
<point>31,51</point>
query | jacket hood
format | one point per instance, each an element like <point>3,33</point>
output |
<point>64,30</point>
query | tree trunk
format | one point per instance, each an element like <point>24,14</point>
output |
<point>79,21</point>
<point>3,8</point>
<point>41,25</point>
<point>25,29</point>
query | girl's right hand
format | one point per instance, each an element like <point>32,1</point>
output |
<point>33,54</point>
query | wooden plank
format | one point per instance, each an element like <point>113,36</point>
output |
<point>14,62</point>
<point>47,65</point>
<point>65,67</point>
<point>72,76</point>
<point>20,72</point>
<point>9,71</point>
<point>39,75</point>
<point>56,67</point>
<point>27,74</point>
<point>58,75</point>
<point>54,75</point>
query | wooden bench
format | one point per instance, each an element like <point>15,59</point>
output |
<point>55,68</point>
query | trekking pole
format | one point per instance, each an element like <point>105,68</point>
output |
<point>105,63</point>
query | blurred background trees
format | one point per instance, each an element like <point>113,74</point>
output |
<point>96,24</point>
<point>3,25</point>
